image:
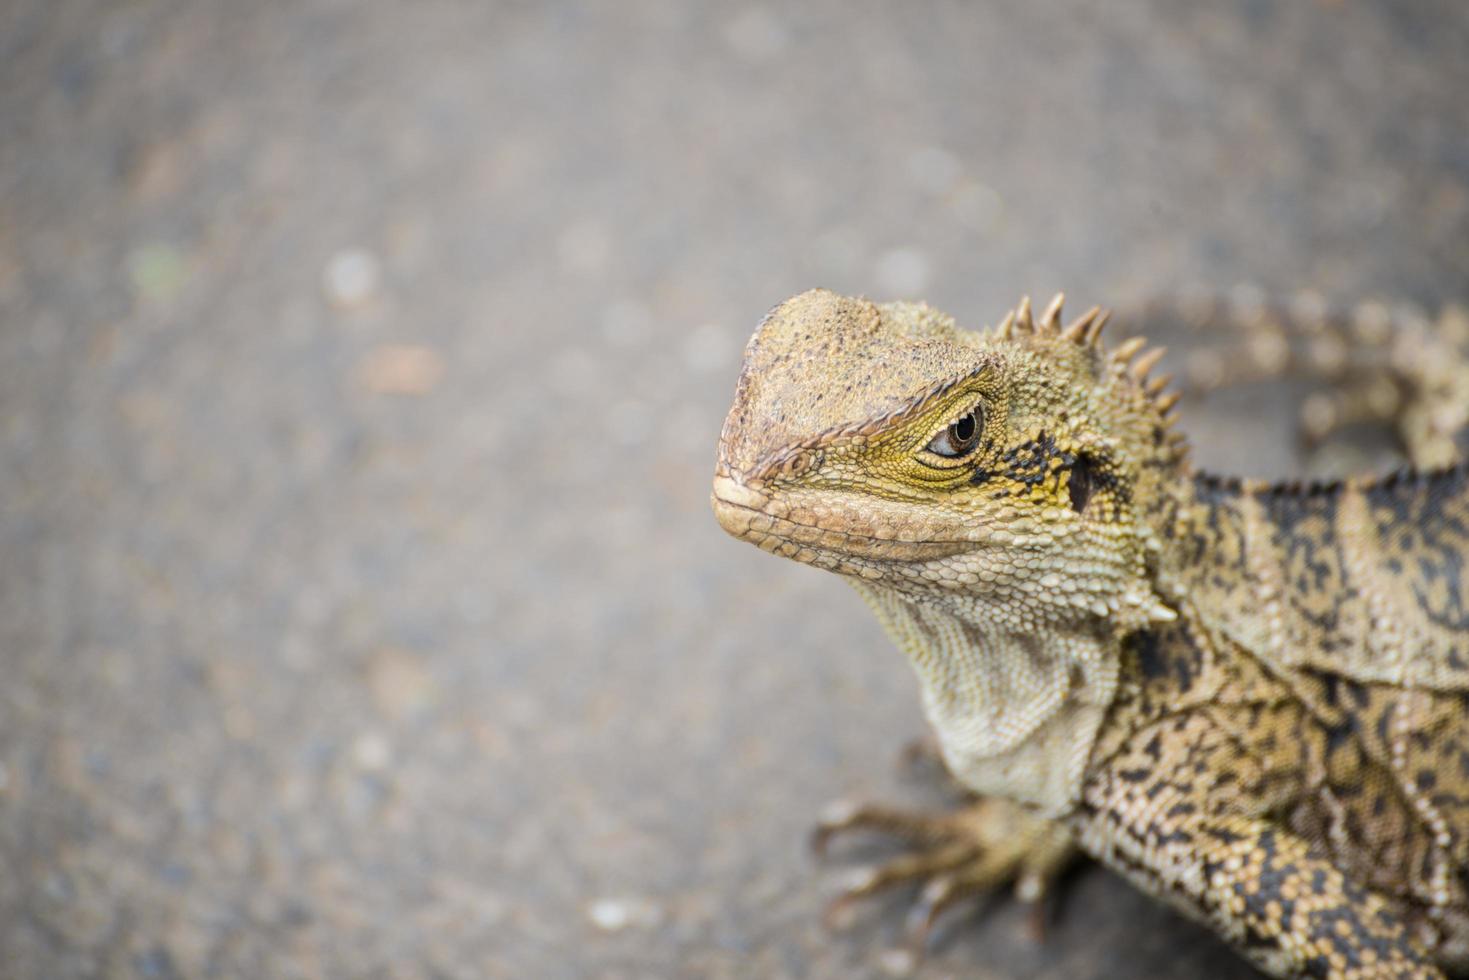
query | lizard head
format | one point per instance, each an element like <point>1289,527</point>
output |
<point>886,444</point>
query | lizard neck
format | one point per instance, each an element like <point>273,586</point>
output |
<point>1016,712</point>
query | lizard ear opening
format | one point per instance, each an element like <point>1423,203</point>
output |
<point>1081,482</point>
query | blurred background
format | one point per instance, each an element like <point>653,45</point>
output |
<point>361,367</point>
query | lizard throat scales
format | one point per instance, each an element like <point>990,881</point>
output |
<point>1016,712</point>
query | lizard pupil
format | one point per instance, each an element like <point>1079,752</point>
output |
<point>963,430</point>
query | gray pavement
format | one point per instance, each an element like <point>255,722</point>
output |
<point>361,365</point>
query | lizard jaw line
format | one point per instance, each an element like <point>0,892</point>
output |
<point>744,513</point>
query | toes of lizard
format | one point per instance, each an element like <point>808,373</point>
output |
<point>927,867</point>
<point>940,894</point>
<point>836,817</point>
<point>856,884</point>
<point>845,815</point>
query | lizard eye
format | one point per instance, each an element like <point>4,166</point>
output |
<point>961,437</point>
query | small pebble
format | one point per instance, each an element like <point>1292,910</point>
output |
<point>401,369</point>
<point>616,914</point>
<point>157,272</point>
<point>351,278</point>
<point>609,915</point>
<point>898,962</point>
<point>401,685</point>
<point>372,752</point>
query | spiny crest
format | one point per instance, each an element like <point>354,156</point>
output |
<point>1132,356</point>
<point>1084,330</point>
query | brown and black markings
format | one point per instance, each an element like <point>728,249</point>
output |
<point>1328,728</point>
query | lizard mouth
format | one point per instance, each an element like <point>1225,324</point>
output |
<point>751,515</point>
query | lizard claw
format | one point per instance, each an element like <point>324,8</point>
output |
<point>844,815</point>
<point>940,894</point>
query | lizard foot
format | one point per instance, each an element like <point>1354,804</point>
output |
<point>978,849</point>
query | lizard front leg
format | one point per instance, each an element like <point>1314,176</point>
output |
<point>1258,885</point>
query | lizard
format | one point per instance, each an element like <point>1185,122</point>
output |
<point>1248,698</point>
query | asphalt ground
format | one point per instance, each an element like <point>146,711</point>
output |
<point>361,367</point>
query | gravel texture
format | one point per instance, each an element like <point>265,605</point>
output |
<point>361,366</point>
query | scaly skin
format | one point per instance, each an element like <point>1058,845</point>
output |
<point>1248,699</point>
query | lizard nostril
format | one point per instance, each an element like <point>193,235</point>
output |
<point>802,462</point>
